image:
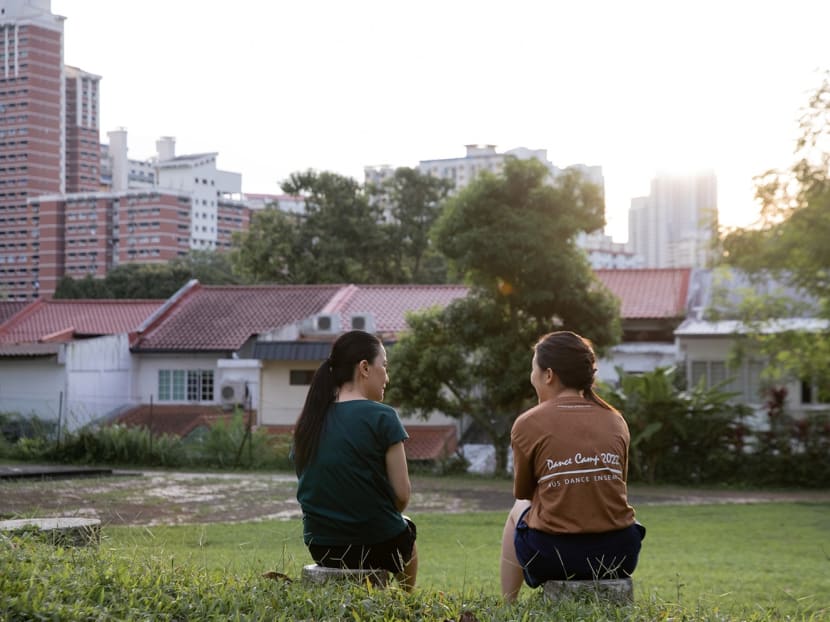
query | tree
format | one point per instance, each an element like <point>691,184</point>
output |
<point>513,236</point>
<point>414,201</point>
<point>339,240</point>
<point>789,243</point>
<point>151,281</point>
<point>268,252</point>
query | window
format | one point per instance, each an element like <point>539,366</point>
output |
<point>200,385</point>
<point>177,384</point>
<point>298,377</point>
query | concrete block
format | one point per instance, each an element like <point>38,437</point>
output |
<point>58,531</point>
<point>620,591</point>
<point>312,573</point>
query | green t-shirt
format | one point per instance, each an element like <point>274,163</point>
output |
<point>344,491</point>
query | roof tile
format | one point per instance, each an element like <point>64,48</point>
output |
<point>649,293</point>
<point>223,318</point>
<point>389,304</point>
<point>86,318</point>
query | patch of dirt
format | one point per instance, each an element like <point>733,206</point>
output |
<point>174,498</point>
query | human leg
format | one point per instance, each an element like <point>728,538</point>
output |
<point>510,568</point>
<point>410,571</point>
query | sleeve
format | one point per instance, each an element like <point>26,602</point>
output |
<point>391,429</point>
<point>524,483</point>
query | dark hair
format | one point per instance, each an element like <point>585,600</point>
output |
<point>346,352</point>
<point>572,359</point>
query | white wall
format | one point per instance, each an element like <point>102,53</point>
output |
<point>146,373</point>
<point>32,386</point>
<point>98,373</point>
<point>282,402</point>
<point>635,358</point>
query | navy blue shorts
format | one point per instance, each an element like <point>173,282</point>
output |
<point>392,554</point>
<point>580,556</point>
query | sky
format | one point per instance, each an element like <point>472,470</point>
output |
<point>637,87</point>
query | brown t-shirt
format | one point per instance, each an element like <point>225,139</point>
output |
<point>570,458</point>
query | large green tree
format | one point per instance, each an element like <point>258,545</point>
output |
<point>513,236</point>
<point>413,202</point>
<point>790,244</point>
<point>340,239</point>
<point>268,252</point>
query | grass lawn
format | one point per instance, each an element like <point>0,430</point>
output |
<point>766,559</point>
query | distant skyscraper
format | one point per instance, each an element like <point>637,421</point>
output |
<point>32,139</point>
<point>674,226</point>
<point>69,207</point>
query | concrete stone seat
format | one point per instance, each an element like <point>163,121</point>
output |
<point>312,573</point>
<point>58,531</point>
<point>620,591</point>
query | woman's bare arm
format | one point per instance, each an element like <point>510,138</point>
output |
<point>398,474</point>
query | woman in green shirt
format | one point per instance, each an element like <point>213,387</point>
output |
<point>350,460</point>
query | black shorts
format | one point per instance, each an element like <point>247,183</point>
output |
<point>392,554</point>
<point>561,557</point>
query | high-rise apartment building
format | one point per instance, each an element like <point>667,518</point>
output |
<point>461,171</point>
<point>72,207</point>
<point>32,137</point>
<point>675,225</point>
<point>83,137</point>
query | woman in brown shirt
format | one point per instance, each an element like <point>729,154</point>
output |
<point>571,519</point>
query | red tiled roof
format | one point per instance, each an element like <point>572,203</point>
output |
<point>430,442</point>
<point>389,304</point>
<point>86,318</point>
<point>9,308</point>
<point>649,293</point>
<point>223,318</point>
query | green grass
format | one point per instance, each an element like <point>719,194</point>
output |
<point>771,559</point>
<point>759,562</point>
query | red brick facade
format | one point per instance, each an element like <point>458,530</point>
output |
<point>31,149</point>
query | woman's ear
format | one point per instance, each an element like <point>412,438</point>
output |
<point>549,376</point>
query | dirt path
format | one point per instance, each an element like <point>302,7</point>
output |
<point>173,498</point>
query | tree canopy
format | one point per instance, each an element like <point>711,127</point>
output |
<point>347,233</point>
<point>151,281</point>
<point>789,244</point>
<point>513,236</point>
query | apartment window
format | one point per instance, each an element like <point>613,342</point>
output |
<point>200,385</point>
<point>171,385</point>
<point>300,377</point>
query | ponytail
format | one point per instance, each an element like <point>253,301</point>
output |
<point>339,368</point>
<point>313,416</point>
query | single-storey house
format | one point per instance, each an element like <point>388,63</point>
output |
<point>69,360</point>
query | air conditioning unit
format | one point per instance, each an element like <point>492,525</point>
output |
<point>322,324</point>
<point>233,393</point>
<point>363,321</point>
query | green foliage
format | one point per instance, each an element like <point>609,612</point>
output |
<point>414,201</point>
<point>344,235</point>
<point>676,435</point>
<point>118,444</point>
<point>151,281</point>
<point>513,237</point>
<point>790,244</point>
<point>709,562</point>
<point>14,426</point>
<point>230,443</point>
<point>224,444</point>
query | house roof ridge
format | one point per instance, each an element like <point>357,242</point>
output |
<point>21,315</point>
<point>155,318</point>
<point>340,299</point>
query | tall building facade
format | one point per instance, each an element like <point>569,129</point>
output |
<point>32,137</point>
<point>70,206</point>
<point>83,136</point>
<point>675,226</point>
